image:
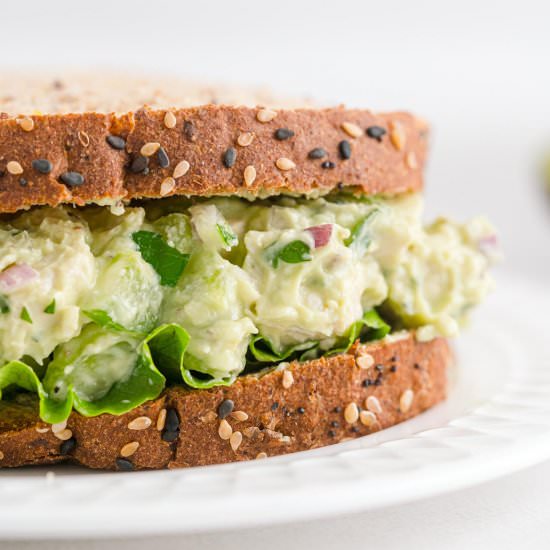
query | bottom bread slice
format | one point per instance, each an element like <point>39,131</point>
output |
<point>293,408</point>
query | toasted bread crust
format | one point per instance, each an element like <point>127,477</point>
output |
<point>387,164</point>
<point>283,413</point>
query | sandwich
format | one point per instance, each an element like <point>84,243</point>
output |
<point>193,277</point>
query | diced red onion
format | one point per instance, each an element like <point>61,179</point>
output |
<point>15,277</point>
<point>321,234</point>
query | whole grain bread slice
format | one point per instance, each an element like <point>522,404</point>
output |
<point>83,158</point>
<point>300,407</point>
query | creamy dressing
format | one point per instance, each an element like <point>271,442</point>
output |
<point>292,270</point>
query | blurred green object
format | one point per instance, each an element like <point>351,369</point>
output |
<point>546,172</point>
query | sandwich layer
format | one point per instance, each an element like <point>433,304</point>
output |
<point>295,407</point>
<point>104,158</point>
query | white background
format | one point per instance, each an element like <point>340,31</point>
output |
<point>478,71</point>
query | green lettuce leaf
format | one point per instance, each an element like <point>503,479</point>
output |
<point>262,350</point>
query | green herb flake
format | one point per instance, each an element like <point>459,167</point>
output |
<point>25,315</point>
<point>294,252</point>
<point>166,260</point>
<point>104,320</point>
<point>361,237</point>
<point>226,233</point>
<point>50,308</point>
<point>4,305</point>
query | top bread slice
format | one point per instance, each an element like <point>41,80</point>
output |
<point>58,146</point>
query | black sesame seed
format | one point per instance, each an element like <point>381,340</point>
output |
<point>393,358</point>
<point>43,166</point>
<point>169,437</point>
<point>317,153</point>
<point>340,185</point>
<point>139,164</point>
<point>367,382</point>
<point>162,157</point>
<point>344,148</point>
<point>355,429</point>
<point>283,133</point>
<point>116,142</point>
<point>229,157</point>
<point>376,132</point>
<point>301,410</point>
<point>67,446</point>
<point>124,465</point>
<point>172,423</point>
<point>378,382</point>
<point>328,165</point>
<point>72,179</point>
<point>189,130</point>
<point>331,433</point>
<point>337,409</point>
<point>379,368</point>
<point>226,408</point>
<point>275,406</point>
<point>393,368</point>
<point>23,182</point>
<point>416,366</point>
<point>335,424</point>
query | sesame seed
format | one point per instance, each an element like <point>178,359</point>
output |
<point>43,166</point>
<point>139,164</point>
<point>239,416</point>
<point>14,167</point>
<point>129,449</point>
<point>351,413</point>
<point>149,148</point>
<point>1,455</point>
<point>393,368</point>
<point>337,409</point>
<point>140,423</point>
<point>72,179</point>
<point>378,381</point>
<point>367,418</point>
<point>26,123</point>
<point>181,169</point>
<point>328,165</point>
<point>161,420</point>
<point>266,115</point>
<point>411,161</point>
<point>335,424</point>
<point>170,120</point>
<point>67,446</point>
<point>42,430</point>
<point>261,455</point>
<point>376,132</point>
<point>245,139</point>
<point>167,186</point>
<point>365,361</point>
<point>301,410</point>
<point>274,406</point>
<point>189,130</point>
<point>235,440</point>
<point>225,430</point>
<point>116,142</point>
<point>373,405</point>
<point>225,408</point>
<point>367,382</point>
<point>23,182</point>
<point>317,153</point>
<point>162,157</point>
<point>59,427</point>
<point>331,433</point>
<point>249,175</point>
<point>84,138</point>
<point>380,368</point>
<point>124,465</point>
<point>352,129</point>
<point>172,421</point>
<point>285,164</point>
<point>229,157</point>
<point>344,148</point>
<point>397,135</point>
<point>282,134</point>
<point>406,400</point>
<point>288,379</point>
<point>63,434</point>
<point>416,366</point>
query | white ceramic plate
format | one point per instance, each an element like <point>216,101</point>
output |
<point>496,420</point>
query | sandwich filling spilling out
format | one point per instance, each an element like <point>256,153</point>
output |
<point>101,307</point>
